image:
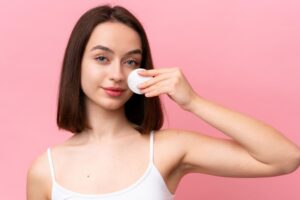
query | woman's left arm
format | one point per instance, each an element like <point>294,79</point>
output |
<point>263,142</point>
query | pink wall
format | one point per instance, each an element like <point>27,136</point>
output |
<point>242,54</point>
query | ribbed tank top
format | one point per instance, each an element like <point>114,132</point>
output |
<point>150,186</point>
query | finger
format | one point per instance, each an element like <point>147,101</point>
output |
<point>153,72</point>
<point>157,88</point>
<point>162,89</point>
<point>153,81</point>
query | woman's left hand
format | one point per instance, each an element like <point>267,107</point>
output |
<point>170,81</point>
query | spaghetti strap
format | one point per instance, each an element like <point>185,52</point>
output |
<point>51,165</point>
<point>151,146</point>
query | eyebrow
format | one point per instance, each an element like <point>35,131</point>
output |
<point>136,51</point>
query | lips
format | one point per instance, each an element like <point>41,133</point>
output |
<point>117,89</point>
<point>114,91</point>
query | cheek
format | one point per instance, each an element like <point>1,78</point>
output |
<point>91,76</point>
<point>128,71</point>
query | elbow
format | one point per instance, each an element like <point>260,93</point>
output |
<point>290,165</point>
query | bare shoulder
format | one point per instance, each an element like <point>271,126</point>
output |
<point>170,151</point>
<point>172,138</point>
<point>38,179</point>
<point>175,135</point>
<point>179,145</point>
<point>176,138</point>
<point>171,143</point>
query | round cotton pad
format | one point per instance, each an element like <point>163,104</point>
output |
<point>134,79</point>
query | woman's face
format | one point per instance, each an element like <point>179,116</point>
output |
<point>112,52</point>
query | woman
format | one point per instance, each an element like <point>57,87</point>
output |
<point>113,153</point>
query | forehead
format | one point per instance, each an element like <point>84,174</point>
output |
<point>116,36</point>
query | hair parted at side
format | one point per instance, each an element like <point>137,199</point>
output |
<point>146,113</point>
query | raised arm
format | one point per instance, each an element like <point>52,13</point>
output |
<point>255,148</point>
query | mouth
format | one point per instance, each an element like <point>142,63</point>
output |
<point>114,88</point>
<point>114,92</point>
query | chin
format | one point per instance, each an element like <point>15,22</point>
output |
<point>113,104</point>
<point>110,103</point>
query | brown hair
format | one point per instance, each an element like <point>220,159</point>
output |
<point>146,113</point>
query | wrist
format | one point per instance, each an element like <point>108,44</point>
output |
<point>194,101</point>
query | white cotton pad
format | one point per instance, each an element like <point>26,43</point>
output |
<point>134,79</point>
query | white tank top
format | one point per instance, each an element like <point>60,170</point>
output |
<point>150,186</point>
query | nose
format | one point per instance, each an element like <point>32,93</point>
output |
<point>116,73</point>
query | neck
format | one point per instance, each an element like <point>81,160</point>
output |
<point>106,123</point>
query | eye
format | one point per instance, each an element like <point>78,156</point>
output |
<point>101,58</point>
<point>132,62</point>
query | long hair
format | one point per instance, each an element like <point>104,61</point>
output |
<point>145,113</point>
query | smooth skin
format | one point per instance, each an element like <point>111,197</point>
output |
<point>254,150</point>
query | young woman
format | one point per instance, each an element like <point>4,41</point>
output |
<point>118,150</point>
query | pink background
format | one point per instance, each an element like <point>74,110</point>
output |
<point>242,54</point>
